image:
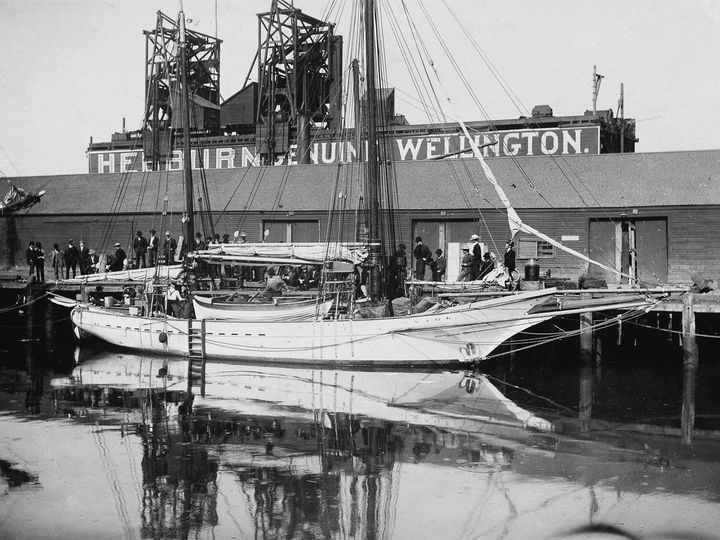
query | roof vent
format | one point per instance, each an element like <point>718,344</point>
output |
<point>540,111</point>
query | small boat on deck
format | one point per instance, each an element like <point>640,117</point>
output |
<point>280,309</point>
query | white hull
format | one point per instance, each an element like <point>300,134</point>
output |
<point>287,310</point>
<point>460,333</point>
<point>423,339</point>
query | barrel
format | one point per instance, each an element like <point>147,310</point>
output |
<point>532,271</point>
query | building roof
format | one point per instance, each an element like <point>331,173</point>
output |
<point>536,182</point>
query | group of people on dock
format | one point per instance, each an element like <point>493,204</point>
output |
<point>474,264</point>
<point>68,260</point>
<point>62,260</point>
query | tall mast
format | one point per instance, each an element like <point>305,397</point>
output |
<point>187,161</point>
<point>373,171</point>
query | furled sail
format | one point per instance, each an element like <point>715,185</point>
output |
<point>287,253</point>
<point>18,199</point>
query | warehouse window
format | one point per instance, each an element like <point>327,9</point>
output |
<point>528,248</point>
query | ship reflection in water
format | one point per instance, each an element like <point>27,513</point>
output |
<point>276,452</point>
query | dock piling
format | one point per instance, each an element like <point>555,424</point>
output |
<point>586,335</point>
<point>690,366</point>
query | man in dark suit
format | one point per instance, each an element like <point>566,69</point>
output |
<point>509,257</point>
<point>84,258</point>
<point>119,260</point>
<point>423,256</point>
<point>30,256</point>
<point>153,247</point>
<point>72,257</point>
<point>476,252</point>
<point>140,245</point>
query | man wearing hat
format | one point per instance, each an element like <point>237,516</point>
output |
<point>169,247</point>
<point>153,247</point>
<point>84,258</point>
<point>71,256</point>
<point>243,237</point>
<point>140,245</point>
<point>509,257</point>
<point>440,264</point>
<point>465,265</point>
<point>119,260</point>
<point>423,256</point>
<point>476,252</point>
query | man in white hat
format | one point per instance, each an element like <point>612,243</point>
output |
<point>476,252</point>
<point>169,247</point>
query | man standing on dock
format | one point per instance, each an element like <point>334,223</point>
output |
<point>509,257</point>
<point>153,247</point>
<point>84,258</point>
<point>119,260</point>
<point>140,245</point>
<point>476,252</point>
<point>423,256</point>
<point>56,261</point>
<point>72,256</point>
<point>169,247</point>
<point>440,266</point>
<point>30,256</point>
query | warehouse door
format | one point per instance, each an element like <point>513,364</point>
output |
<point>448,235</point>
<point>637,248</point>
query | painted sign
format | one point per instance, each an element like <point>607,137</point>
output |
<point>525,142</point>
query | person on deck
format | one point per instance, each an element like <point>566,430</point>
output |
<point>509,257</point>
<point>56,261</point>
<point>84,258</point>
<point>465,265</point>
<point>118,262</point>
<point>487,265</point>
<point>30,256</point>
<point>423,256</point>
<point>169,247</point>
<point>275,284</point>
<point>476,252</point>
<point>153,248</point>
<point>440,266</point>
<point>199,242</point>
<point>140,245</point>
<point>175,301</point>
<point>72,257</point>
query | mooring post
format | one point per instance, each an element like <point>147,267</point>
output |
<point>586,334</point>
<point>690,366</point>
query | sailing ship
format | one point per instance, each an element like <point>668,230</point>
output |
<point>347,335</point>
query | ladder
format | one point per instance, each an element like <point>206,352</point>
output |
<point>196,356</point>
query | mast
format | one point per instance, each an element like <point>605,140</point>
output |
<point>373,170</point>
<point>187,161</point>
